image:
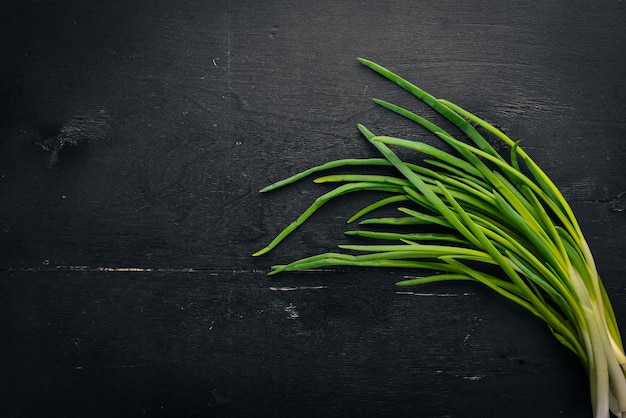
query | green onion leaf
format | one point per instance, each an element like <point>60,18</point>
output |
<point>465,211</point>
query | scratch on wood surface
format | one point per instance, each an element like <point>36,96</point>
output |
<point>291,289</point>
<point>434,294</point>
<point>291,310</point>
<point>124,269</point>
<point>473,378</point>
<point>123,366</point>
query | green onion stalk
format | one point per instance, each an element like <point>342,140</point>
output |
<point>487,209</point>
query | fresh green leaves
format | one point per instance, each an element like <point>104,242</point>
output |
<point>467,210</point>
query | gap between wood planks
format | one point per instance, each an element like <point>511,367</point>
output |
<point>212,272</point>
<point>106,269</point>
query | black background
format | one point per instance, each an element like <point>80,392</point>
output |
<point>126,282</point>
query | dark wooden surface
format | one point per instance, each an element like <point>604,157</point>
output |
<point>126,282</point>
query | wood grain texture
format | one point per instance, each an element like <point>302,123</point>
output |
<point>126,282</point>
<point>326,344</point>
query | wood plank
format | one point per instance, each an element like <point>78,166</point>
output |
<point>126,281</point>
<point>81,343</point>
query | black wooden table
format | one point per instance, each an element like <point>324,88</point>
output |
<point>133,141</point>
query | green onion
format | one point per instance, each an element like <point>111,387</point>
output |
<point>482,209</point>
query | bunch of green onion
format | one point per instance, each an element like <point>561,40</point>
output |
<point>488,210</point>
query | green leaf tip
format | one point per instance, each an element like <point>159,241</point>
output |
<point>261,252</point>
